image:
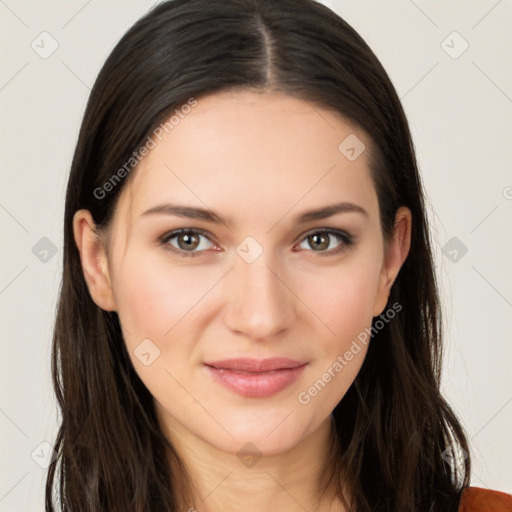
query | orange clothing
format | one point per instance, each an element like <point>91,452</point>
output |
<point>475,499</point>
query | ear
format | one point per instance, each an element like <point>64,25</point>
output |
<point>93,257</point>
<point>395,254</point>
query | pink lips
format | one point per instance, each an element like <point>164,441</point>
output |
<point>256,377</point>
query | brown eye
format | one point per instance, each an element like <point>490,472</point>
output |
<point>326,241</point>
<point>187,242</point>
<point>319,241</point>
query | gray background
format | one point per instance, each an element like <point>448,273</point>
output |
<point>459,104</point>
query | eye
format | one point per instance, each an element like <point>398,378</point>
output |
<point>326,241</point>
<point>186,242</point>
<point>192,242</point>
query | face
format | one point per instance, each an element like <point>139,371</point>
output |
<point>215,253</point>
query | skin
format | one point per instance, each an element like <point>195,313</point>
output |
<point>258,160</point>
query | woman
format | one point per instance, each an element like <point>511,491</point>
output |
<point>249,314</point>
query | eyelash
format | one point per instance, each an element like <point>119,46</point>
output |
<point>346,240</point>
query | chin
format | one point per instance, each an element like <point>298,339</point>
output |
<point>268,435</point>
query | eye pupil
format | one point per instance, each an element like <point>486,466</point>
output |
<point>319,241</point>
<point>188,241</point>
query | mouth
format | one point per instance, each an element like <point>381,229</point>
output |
<point>256,378</point>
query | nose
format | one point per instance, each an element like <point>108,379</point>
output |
<point>260,303</point>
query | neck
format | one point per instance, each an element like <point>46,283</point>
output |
<point>220,481</point>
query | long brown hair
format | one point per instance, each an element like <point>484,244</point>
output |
<point>392,428</point>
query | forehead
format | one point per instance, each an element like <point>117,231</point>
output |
<point>248,150</point>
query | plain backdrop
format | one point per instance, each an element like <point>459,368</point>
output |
<point>451,65</point>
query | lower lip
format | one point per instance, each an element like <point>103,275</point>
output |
<point>256,384</point>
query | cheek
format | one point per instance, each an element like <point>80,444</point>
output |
<point>160,302</point>
<point>155,296</point>
<point>343,300</point>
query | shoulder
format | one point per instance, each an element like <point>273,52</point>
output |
<point>475,499</point>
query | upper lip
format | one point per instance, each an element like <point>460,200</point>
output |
<point>256,365</point>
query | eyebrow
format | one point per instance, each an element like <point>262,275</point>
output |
<point>210,216</point>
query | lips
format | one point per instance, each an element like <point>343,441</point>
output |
<point>255,378</point>
<point>256,365</point>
